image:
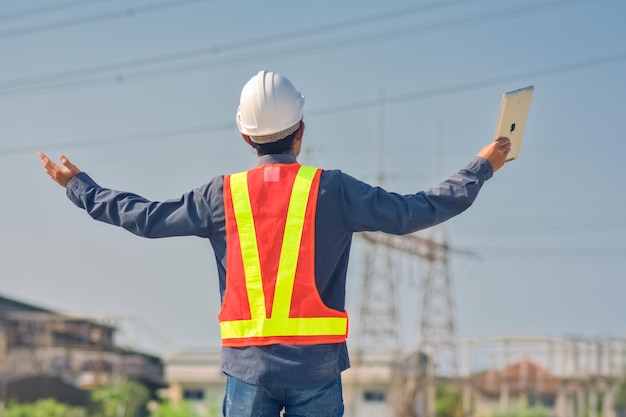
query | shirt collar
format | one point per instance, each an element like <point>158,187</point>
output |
<point>281,158</point>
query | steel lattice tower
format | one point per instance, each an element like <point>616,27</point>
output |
<point>377,327</point>
<point>437,323</point>
<point>437,326</point>
<point>378,318</point>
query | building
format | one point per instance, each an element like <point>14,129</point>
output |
<point>514,387</point>
<point>70,353</point>
<point>194,376</point>
<point>495,376</point>
<point>369,386</point>
<point>526,384</point>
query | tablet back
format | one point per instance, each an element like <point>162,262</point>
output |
<point>513,116</point>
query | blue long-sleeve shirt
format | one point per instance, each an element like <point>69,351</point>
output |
<point>345,205</point>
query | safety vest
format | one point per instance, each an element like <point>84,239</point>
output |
<point>271,295</point>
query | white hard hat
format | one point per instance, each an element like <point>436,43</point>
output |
<point>270,108</point>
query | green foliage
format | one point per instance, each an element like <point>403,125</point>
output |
<point>526,412</point>
<point>166,409</point>
<point>43,408</point>
<point>448,402</point>
<point>121,399</point>
<point>620,394</point>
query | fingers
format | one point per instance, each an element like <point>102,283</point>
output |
<point>496,153</point>
<point>48,164</point>
<point>503,145</point>
<point>73,168</point>
<point>61,175</point>
<point>44,159</point>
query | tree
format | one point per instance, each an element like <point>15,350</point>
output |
<point>448,402</point>
<point>526,412</point>
<point>167,409</point>
<point>620,396</point>
<point>121,399</point>
<point>43,408</point>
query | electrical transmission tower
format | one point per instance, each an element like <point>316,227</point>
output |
<point>378,317</point>
<point>377,327</point>
<point>437,324</point>
<point>437,328</point>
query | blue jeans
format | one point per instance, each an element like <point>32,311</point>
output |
<point>245,400</point>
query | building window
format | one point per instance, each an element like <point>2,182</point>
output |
<point>91,365</point>
<point>59,364</point>
<point>374,396</point>
<point>541,400</point>
<point>193,394</point>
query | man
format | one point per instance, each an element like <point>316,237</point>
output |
<point>281,233</point>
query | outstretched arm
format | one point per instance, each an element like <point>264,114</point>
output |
<point>368,208</point>
<point>189,215</point>
<point>61,175</point>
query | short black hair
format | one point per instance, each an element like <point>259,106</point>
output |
<point>285,145</point>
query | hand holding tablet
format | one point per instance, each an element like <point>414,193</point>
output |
<point>512,119</point>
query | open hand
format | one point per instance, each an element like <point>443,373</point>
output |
<point>496,152</point>
<point>62,175</point>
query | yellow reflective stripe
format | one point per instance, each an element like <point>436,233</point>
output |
<point>263,327</point>
<point>290,247</point>
<point>248,243</point>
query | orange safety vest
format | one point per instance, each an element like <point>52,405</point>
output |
<point>271,295</point>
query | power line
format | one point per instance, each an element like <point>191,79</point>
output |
<point>528,225</point>
<point>473,85</point>
<point>337,109</point>
<point>232,46</point>
<point>123,139</point>
<point>51,8</point>
<point>97,17</point>
<point>578,252</point>
<point>63,81</point>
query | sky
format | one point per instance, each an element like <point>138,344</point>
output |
<point>142,96</point>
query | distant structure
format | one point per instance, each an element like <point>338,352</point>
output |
<point>71,354</point>
<point>562,377</point>
<point>378,318</point>
<point>568,377</point>
<point>411,386</point>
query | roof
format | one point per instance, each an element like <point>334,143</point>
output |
<point>9,305</point>
<point>14,309</point>
<point>523,376</point>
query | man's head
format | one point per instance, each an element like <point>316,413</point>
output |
<point>270,112</point>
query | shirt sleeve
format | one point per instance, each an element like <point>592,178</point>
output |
<point>368,208</point>
<point>190,215</point>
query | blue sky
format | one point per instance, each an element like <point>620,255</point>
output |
<point>142,96</point>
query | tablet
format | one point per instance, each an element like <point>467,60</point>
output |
<point>512,120</point>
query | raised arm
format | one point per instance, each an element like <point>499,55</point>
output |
<point>189,215</point>
<point>367,208</point>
